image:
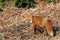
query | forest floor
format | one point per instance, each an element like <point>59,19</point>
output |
<point>12,26</point>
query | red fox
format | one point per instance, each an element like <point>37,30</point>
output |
<point>39,21</point>
<point>43,22</point>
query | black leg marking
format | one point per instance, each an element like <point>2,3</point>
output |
<point>35,30</point>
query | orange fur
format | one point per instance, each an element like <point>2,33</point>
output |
<point>43,22</point>
<point>39,21</point>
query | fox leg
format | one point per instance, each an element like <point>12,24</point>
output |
<point>34,29</point>
<point>49,29</point>
<point>34,26</point>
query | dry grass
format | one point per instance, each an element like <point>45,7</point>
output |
<point>13,27</point>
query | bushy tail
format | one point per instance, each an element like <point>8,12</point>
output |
<point>49,28</point>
